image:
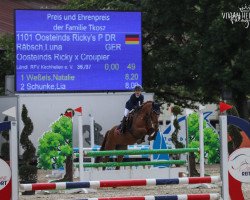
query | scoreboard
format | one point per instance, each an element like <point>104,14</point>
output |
<point>77,50</point>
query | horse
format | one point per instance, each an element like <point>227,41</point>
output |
<point>143,121</point>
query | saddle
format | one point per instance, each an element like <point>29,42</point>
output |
<point>130,117</point>
<point>129,123</point>
<point>126,124</point>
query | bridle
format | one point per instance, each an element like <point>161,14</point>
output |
<point>154,110</point>
<point>155,124</point>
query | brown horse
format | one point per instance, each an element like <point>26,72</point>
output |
<point>144,121</point>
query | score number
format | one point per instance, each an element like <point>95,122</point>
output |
<point>131,77</point>
<point>111,67</point>
<point>131,66</point>
<point>130,85</point>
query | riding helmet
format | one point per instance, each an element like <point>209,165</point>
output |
<point>138,88</point>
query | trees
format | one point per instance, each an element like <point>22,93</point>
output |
<point>176,110</point>
<point>222,61</point>
<point>55,147</point>
<point>190,53</point>
<point>27,172</point>
<point>6,58</point>
<point>196,54</point>
<point>211,143</point>
<point>211,139</point>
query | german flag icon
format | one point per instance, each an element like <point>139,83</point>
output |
<point>132,39</point>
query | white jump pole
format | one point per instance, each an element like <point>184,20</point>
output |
<point>80,138</point>
<point>14,161</point>
<point>187,113</point>
<point>172,122</point>
<point>201,131</point>
<point>92,135</point>
<point>224,157</point>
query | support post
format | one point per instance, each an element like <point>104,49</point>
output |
<point>224,157</point>
<point>80,137</point>
<point>187,142</point>
<point>14,160</point>
<point>92,135</point>
<point>201,131</point>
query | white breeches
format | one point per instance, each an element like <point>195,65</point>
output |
<point>126,112</point>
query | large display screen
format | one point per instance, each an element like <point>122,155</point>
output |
<point>77,50</point>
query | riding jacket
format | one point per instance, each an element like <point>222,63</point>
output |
<point>134,101</point>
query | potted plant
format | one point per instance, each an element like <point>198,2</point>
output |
<point>28,169</point>
<point>176,110</point>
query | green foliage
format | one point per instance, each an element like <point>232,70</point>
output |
<point>6,58</point>
<point>211,139</point>
<point>211,145</point>
<point>27,172</point>
<point>102,5</point>
<point>55,145</point>
<point>29,149</point>
<point>176,110</point>
<point>190,53</point>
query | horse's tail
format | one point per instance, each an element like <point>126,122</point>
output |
<point>98,158</point>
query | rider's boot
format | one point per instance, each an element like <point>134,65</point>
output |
<point>123,124</point>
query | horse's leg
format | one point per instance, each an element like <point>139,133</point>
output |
<point>120,158</point>
<point>152,135</point>
<point>140,134</point>
<point>109,145</point>
<point>98,159</point>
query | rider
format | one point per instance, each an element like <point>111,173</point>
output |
<point>134,101</point>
